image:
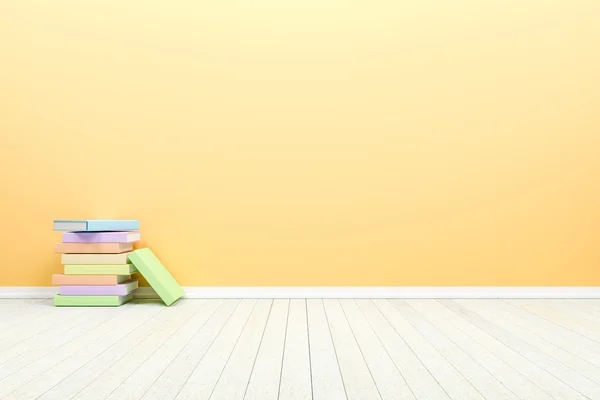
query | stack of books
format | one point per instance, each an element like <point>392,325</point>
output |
<point>95,255</point>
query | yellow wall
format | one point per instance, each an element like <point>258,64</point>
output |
<point>308,142</point>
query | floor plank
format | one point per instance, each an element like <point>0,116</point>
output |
<point>326,375</point>
<point>560,372</point>
<point>546,310</point>
<point>485,382</point>
<point>584,313</point>
<point>203,379</point>
<point>357,377</point>
<point>29,329</point>
<point>234,380</point>
<point>514,380</point>
<point>113,366</point>
<point>43,343</point>
<point>540,339</point>
<point>266,373</point>
<point>295,381</point>
<point>388,379</point>
<point>302,349</point>
<point>11,309</point>
<point>534,372</point>
<point>445,373</point>
<point>140,381</point>
<point>172,379</point>
<point>419,379</point>
<point>33,380</point>
<point>564,338</point>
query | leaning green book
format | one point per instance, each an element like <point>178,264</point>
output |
<point>156,275</point>
<point>95,269</point>
<point>91,301</point>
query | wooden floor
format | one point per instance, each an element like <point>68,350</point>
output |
<point>302,349</point>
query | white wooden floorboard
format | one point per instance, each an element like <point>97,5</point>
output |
<point>357,377</point>
<point>9,306</point>
<point>40,344</point>
<point>48,350</point>
<point>36,360</point>
<point>17,303</point>
<point>591,303</point>
<point>445,373</point>
<point>532,371</point>
<point>388,379</point>
<point>589,308</point>
<point>586,311</point>
<point>566,339</point>
<point>589,329</point>
<point>558,370</point>
<point>265,376</point>
<point>117,341</point>
<point>11,309</point>
<point>28,381</point>
<point>23,315</point>
<point>234,380</point>
<point>419,379</point>
<point>487,385</point>
<point>514,380</point>
<point>203,379</point>
<point>333,349</point>
<point>326,375</point>
<point>295,383</point>
<point>515,326</point>
<point>19,333</point>
<point>140,381</point>
<point>114,365</point>
<point>172,379</point>
<point>586,314</point>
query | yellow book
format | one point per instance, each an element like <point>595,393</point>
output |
<point>96,269</point>
<point>100,259</point>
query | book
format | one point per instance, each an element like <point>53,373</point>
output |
<point>157,275</point>
<point>100,237</point>
<point>92,248</point>
<point>92,280</point>
<point>91,301</point>
<point>95,269</point>
<point>121,289</point>
<point>104,259</point>
<point>80,225</point>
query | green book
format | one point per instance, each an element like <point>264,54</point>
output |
<point>91,301</point>
<point>157,275</point>
<point>95,269</point>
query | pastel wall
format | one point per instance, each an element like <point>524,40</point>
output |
<point>308,142</point>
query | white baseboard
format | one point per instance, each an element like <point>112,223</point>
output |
<point>400,292</point>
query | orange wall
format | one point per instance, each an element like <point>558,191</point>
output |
<point>308,142</point>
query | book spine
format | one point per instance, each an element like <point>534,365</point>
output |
<point>91,237</point>
<point>112,225</point>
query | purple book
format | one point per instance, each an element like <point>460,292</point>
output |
<point>100,237</point>
<point>121,289</point>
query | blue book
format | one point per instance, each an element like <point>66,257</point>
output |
<point>95,225</point>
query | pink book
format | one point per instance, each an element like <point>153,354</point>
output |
<point>121,289</point>
<point>92,248</point>
<point>92,280</point>
<point>100,237</point>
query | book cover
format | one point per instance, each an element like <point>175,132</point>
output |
<point>121,289</point>
<point>92,280</point>
<point>96,225</point>
<point>104,259</point>
<point>157,275</point>
<point>94,269</point>
<point>91,301</point>
<point>100,237</point>
<point>92,248</point>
